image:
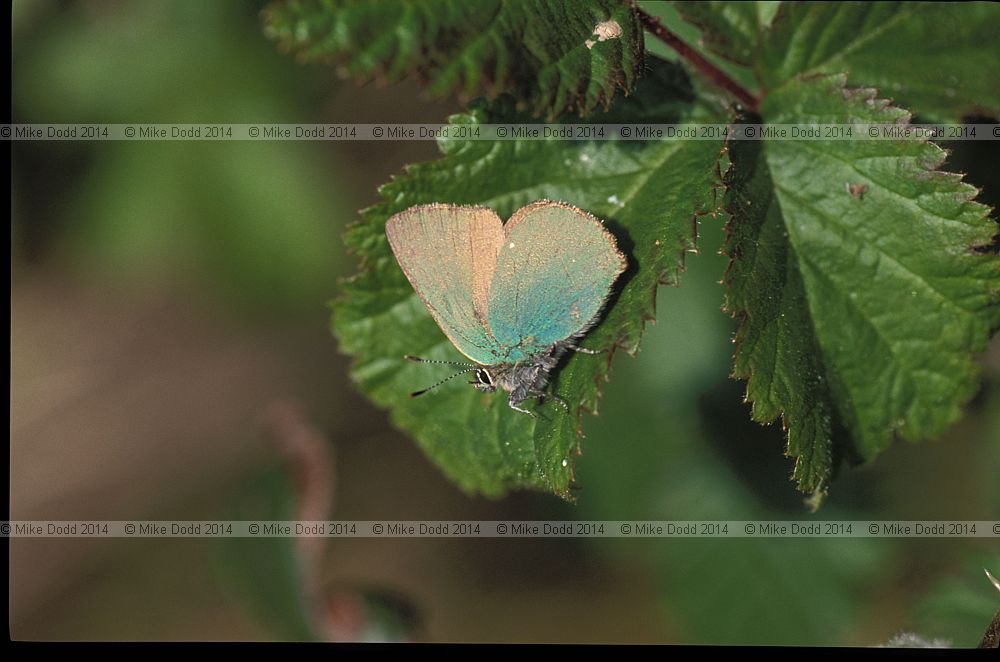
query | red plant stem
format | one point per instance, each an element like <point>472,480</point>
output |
<point>706,68</point>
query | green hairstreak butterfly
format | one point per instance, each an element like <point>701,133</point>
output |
<point>512,297</point>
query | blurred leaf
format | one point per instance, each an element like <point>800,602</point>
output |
<point>252,225</point>
<point>648,192</point>
<point>206,215</point>
<point>952,55</point>
<point>731,29</point>
<point>768,592</point>
<point>961,607</point>
<point>97,64</point>
<point>695,36</point>
<point>667,467</point>
<point>265,572</point>
<point>544,53</point>
<point>869,306</point>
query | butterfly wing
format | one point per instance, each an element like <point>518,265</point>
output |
<point>449,253</point>
<point>554,271</point>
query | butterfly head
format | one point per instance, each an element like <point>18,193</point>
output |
<point>483,377</point>
<point>483,380</point>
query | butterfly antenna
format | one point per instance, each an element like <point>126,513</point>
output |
<point>429,388</point>
<point>417,359</point>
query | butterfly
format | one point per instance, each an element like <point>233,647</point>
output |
<point>512,297</point>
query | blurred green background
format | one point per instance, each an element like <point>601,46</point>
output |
<point>170,359</point>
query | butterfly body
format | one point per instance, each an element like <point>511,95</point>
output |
<point>521,380</point>
<point>511,297</point>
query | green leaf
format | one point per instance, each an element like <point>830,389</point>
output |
<point>685,456</point>
<point>867,308</point>
<point>960,606</point>
<point>731,29</point>
<point>203,221</point>
<point>649,193</point>
<point>697,38</point>
<point>952,55</point>
<point>544,53</point>
<point>265,574</point>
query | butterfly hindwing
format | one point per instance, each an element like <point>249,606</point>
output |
<point>449,255</point>
<point>554,271</point>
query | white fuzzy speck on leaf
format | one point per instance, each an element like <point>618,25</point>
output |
<point>603,31</point>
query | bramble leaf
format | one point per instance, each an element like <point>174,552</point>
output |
<point>731,29</point>
<point>952,55</point>
<point>544,53</point>
<point>649,194</point>
<point>862,304</point>
<point>950,69</point>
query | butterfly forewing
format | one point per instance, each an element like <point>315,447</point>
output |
<point>449,255</point>
<point>554,271</point>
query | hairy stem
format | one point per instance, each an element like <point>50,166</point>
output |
<point>720,78</point>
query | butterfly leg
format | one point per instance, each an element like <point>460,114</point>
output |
<point>542,394</point>
<point>562,403</point>
<point>584,350</point>
<point>512,403</point>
